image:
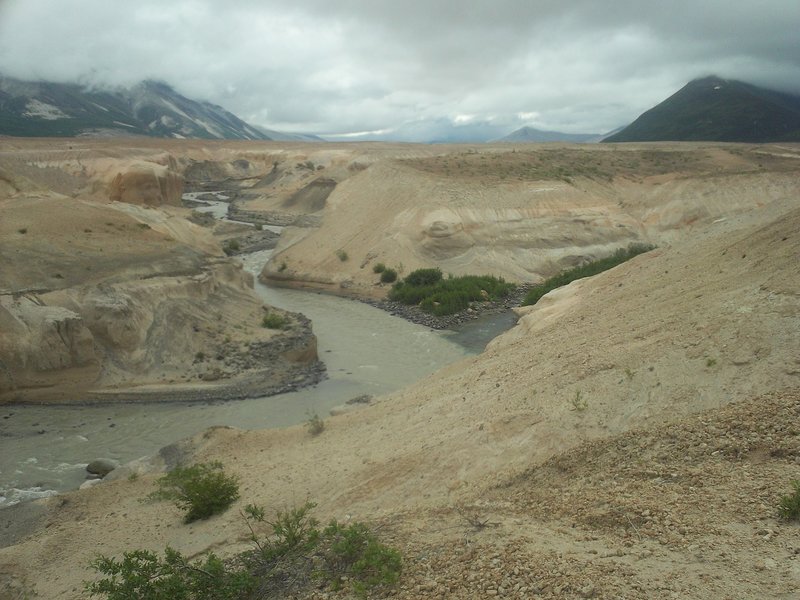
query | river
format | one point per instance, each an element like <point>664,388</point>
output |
<point>44,450</point>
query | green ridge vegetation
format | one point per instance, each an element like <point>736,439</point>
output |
<point>439,296</point>
<point>585,270</point>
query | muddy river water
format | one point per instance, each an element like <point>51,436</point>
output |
<point>44,450</point>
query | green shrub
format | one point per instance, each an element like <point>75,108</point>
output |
<point>586,270</point>
<point>379,268</point>
<point>290,557</point>
<point>274,321</point>
<point>789,507</point>
<point>353,550</point>
<point>342,255</point>
<point>315,424</point>
<point>388,276</point>
<point>142,575</point>
<point>422,277</point>
<point>297,550</point>
<point>447,296</point>
<point>22,230</point>
<point>231,247</point>
<point>201,490</point>
<point>258,227</point>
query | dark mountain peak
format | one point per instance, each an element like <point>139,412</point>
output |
<point>715,109</point>
<point>150,107</point>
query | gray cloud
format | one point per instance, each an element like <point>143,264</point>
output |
<point>358,65</point>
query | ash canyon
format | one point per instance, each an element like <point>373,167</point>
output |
<point>629,437</point>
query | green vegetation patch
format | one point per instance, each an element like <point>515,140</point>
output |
<point>585,270</point>
<point>274,321</point>
<point>439,296</point>
<point>388,276</point>
<point>201,490</point>
<point>789,506</point>
<point>291,556</point>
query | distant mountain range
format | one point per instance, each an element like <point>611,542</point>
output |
<point>151,108</point>
<point>720,110</point>
<point>532,135</point>
<point>708,109</point>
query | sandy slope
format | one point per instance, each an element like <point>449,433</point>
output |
<point>532,436</point>
<point>106,287</point>
<point>522,212</point>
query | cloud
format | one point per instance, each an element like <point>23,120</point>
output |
<point>355,66</point>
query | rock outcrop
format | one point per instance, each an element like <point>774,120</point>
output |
<point>111,293</point>
<point>148,184</point>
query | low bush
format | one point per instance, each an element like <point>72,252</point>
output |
<point>342,255</point>
<point>315,424</point>
<point>231,247</point>
<point>789,506</point>
<point>201,490</point>
<point>291,557</point>
<point>379,268</point>
<point>586,270</point>
<point>297,551</point>
<point>388,276</point>
<point>142,575</point>
<point>423,277</point>
<point>440,296</point>
<point>353,551</point>
<point>274,321</point>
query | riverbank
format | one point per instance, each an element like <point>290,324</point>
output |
<point>476,311</point>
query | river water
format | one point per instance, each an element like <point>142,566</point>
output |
<point>44,450</point>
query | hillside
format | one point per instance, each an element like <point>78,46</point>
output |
<point>108,292</point>
<point>520,212</point>
<point>715,109</point>
<point>45,109</point>
<point>630,437</point>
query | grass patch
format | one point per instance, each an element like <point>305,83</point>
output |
<point>586,270</point>
<point>439,296</point>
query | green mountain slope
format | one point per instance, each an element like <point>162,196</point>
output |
<point>714,109</point>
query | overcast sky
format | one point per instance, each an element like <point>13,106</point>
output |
<point>349,66</point>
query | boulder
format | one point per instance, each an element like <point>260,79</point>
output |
<point>102,466</point>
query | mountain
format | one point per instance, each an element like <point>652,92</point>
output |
<point>441,130</point>
<point>715,109</point>
<point>530,134</point>
<point>36,109</point>
<point>285,136</point>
